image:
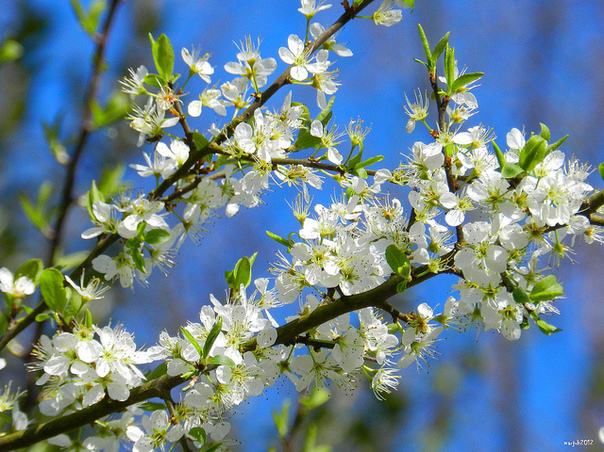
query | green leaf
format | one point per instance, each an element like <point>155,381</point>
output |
<point>116,108</point>
<point>281,420</point>
<point>546,328</point>
<point>89,20</point>
<point>93,195</point>
<point>32,269</point>
<point>222,360</point>
<point>305,140</point>
<point>192,340</point>
<point>198,434</point>
<point>110,182</point>
<point>465,79</point>
<point>546,289</point>
<point>511,170</point>
<point>163,56</point>
<point>360,172</point>
<point>499,154</point>
<point>557,144</point>
<point>316,398</point>
<point>10,50</point>
<point>426,45</point>
<point>152,406</point>
<point>507,170</point>
<point>520,296</point>
<point>39,214</point>
<point>281,240</point>
<point>438,50</point>
<point>51,134</point>
<point>214,332</point>
<point>242,273</point>
<point>533,153</point>
<point>53,290</point>
<point>545,133</point>
<point>326,113</point>
<point>159,371</point>
<point>401,287</point>
<point>199,140</point>
<point>411,3</point>
<point>157,236</point>
<point>601,170</point>
<point>369,161</point>
<point>42,317</point>
<point>137,257</point>
<point>153,80</point>
<point>398,261</point>
<point>449,67</point>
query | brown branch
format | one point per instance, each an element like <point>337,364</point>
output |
<point>37,433</point>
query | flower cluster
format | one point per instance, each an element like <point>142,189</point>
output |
<point>87,365</point>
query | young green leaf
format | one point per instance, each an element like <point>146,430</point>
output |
<point>438,50</point>
<point>53,290</point>
<point>546,289</point>
<point>545,133</point>
<point>426,45</point>
<point>157,236</point>
<point>281,240</point>
<point>601,170</point>
<point>465,79</point>
<point>398,261</point>
<point>546,328</point>
<point>533,153</point>
<point>221,360</point>
<point>198,434</point>
<point>32,269</point>
<point>449,67</point>
<point>556,145</point>
<point>163,56</point>
<point>214,332</point>
<point>282,420</point>
<point>369,161</point>
<point>199,140</point>
<point>192,340</point>
<point>93,196</point>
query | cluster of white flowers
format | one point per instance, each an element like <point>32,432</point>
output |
<point>80,370</point>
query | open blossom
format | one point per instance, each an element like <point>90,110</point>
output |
<point>250,65</point>
<point>18,288</point>
<point>295,54</point>
<point>133,83</point>
<point>387,15</point>
<point>310,7</point>
<point>198,64</point>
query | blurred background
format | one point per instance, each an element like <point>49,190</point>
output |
<point>543,62</point>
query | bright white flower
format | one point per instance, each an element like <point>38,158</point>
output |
<point>210,97</point>
<point>418,110</point>
<point>133,83</point>
<point>295,55</point>
<point>386,15</point>
<point>329,139</point>
<point>178,151</point>
<point>20,288</point>
<point>94,290</point>
<point>250,65</point>
<point>310,7</point>
<point>197,64</point>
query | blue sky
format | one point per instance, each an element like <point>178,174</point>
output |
<point>542,62</point>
